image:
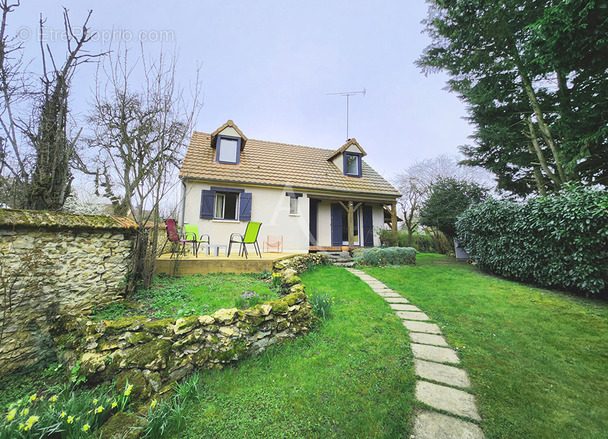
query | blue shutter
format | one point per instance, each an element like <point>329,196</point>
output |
<point>207,201</point>
<point>245,207</point>
<point>336,224</point>
<point>368,226</point>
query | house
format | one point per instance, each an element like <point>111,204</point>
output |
<point>315,199</point>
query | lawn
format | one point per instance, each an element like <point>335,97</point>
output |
<point>351,377</point>
<point>538,359</point>
<point>171,297</point>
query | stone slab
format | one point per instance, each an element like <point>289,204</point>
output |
<point>409,315</point>
<point>429,328</point>
<point>403,307</point>
<point>434,353</point>
<point>441,373</point>
<point>447,399</point>
<point>420,337</point>
<point>431,425</point>
<point>396,300</point>
<point>387,293</point>
<point>375,284</point>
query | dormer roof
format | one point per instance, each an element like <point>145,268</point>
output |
<point>229,129</point>
<point>351,142</point>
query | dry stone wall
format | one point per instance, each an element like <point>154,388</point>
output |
<point>151,354</point>
<point>51,264</point>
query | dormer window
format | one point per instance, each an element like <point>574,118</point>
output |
<point>352,164</point>
<point>228,150</point>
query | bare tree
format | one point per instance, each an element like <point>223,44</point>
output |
<point>36,152</point>
<point>141,134</point>
<point>415,181</point>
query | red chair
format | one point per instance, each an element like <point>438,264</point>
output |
<point>174,236</point>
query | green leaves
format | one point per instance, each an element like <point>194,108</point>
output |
<point>559,241</point>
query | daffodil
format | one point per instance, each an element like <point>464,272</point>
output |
<point>99,409</point>
<point>95,401</point>
<point>33,397</point>
<point>24,412</point>
<point>21,427</point>
<point>85,427</point>
<point>63,414</point>
<point>53,398</point>
<point>11,415</point>
<point>128,390</point>
<point>153,404</point>
<point>114,404</point>
<point>70,419</point>
<point>31,421</point>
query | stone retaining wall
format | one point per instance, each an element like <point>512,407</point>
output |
<point>151,354</point>
<point>50,264</point>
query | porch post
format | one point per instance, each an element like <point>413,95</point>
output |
<point>394,221</point>
<point>351,225</point>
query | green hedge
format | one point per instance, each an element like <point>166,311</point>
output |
<point>422,242</point>
<point>380,256</point>
<point>560,241</point>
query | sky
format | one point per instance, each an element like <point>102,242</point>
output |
<point>269,65</point>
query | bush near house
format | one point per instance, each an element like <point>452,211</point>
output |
<point>559,241</point>
<point>377,257</point>
<point>433,242</point>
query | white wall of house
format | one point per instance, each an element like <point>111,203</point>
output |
<point>270,206</point>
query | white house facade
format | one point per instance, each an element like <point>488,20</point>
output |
<point>311,198</point>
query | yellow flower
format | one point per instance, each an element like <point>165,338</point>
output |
<point>24,412</point>
<point>95,401</point>
<point>33,397</point>
<point>63,414</point>
<point>114,404</point>
<point>11,415</point>
<point>85,427</point>
<point>128,390</point>
<point>153,404</point>
<point>70,419</point>
<point>53,398</point>
<point>99,409</point>
<point>31,421</point>
<point>21,427</point>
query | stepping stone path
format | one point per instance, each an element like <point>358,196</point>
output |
<point>441,382</point>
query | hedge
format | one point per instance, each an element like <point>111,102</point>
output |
<point>559,241</point>
<point>377,257</point>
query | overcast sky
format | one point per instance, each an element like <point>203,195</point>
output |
<point>268,65</point>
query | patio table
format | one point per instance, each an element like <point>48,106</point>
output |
<point>216,249</point>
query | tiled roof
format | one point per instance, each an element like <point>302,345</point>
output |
<point>280,164</point>
<point>344,147</point>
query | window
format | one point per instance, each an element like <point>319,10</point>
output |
<point>293,202</point>
<point>352,164</point>
<point>228,150</point>
<point>226,205</point>
<point>222,203</point>
<point>293,206</point>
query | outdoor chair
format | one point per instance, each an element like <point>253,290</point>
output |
<point>191,233</point>
<point>174,237</point>
<point>273,242</point>
<point>250,237</point>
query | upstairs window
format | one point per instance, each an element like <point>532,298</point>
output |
<point>352,164</point>
<point>228,150</point>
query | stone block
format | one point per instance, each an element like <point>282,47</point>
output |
<point>434,353</point>
<point>432,425</point>
<point>441,373</point>
<point>447,399</point>
<point>429,328</point>
<point>404,307</point>
<point>408,315</point>
<point>421,337</point>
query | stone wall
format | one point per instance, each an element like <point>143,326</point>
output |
<point>50,264</point>
<point>151,354</point>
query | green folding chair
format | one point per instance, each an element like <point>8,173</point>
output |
<point>251,237</point>
<point>192,235</point>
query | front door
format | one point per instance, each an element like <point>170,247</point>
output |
<point>345,227</point>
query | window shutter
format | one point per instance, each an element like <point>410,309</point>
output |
<point>207,200</point>
<point>368,226</point>
<point>336,224</point>
<point>245,207</point>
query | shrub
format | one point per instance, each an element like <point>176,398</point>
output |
<point>377,257</point>
<point>559,241</point>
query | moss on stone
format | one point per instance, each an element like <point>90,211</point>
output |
<point>139,337</point>
<point>162,327</point>
<point>152,355</point>
<point>186,324</point>
<point>124,323</point>
<point>122,426</point>
<point>279,307</point>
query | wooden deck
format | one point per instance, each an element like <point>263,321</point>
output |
<point>221,264</point>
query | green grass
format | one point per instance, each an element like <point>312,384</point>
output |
<point>538,359</point>
<point>171,297</point>
<point>350,378</point>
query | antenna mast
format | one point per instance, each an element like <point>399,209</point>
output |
<point>348,94</point>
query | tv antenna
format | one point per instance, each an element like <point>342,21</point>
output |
<point>348,94</point>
